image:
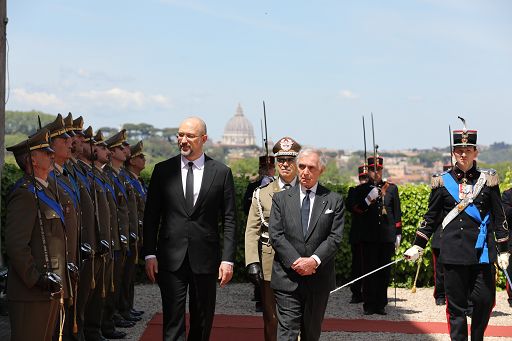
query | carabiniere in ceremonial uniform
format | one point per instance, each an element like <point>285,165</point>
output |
<point>463,203</point>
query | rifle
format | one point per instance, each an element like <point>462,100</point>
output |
<point>375,147</point>
<point>365,160</point>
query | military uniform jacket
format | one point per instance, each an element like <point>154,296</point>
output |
<point>87,218</point>
<point>374,227</point>
<point>111,207</point>
<point>133,214</point>
<point>121,205</point>
<point>102,201</point>
<point>24,243</point>
<point>507,206</point>
<point>68,199</point>
<point>257,223</point>
<point>458,238</point>
<point>356,222</point>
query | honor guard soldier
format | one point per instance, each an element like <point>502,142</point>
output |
<point>466,199</point>
<point>354,237</point>
<point>259,254</point>
<point>63,184</point>
<point>376,205</point>
<point>134,165</point>
<point>507,205</point>
<point>35,239</point>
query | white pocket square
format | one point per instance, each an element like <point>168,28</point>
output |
<point>328,211</point>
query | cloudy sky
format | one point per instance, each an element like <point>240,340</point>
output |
<point>319,65</point>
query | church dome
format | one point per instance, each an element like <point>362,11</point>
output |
<point>238,130</point>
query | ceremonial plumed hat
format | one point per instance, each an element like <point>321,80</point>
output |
<point>264,160</point>
<point>78,125</point>
<point>286,146</point>
<point>88,135</point>
<point>117,139</point>
<point>371,162</point>
<point>99,140</point>
<point>38,141</point>
<point>57,128</point>
<point>68,123</point>
<point>136,150</point>
<point>464,137</point>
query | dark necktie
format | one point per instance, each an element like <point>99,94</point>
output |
<point>189,187</point>
<point>287,186</point>
<point>304,212</point>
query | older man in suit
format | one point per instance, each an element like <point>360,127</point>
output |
<point>306,226</point>
<point>188,195</point>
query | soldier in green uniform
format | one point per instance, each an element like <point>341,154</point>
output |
<point>259,254</point>
<point>35,240</point>
<point>134,165</point>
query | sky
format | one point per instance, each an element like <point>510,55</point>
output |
<point>318,65</point>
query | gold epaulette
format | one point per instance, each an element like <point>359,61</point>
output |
<point>437,180</point>
<point>491,177</point>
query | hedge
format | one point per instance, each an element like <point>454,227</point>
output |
<point>414,199</point>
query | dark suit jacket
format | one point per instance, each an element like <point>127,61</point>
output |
<point>323,238</point>
<point>170,231</point>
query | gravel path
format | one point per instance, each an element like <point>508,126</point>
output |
<point>420,306</point>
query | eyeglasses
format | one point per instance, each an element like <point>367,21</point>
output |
<point>188,136</point>
<point>285,159</point>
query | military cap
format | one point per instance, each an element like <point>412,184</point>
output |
<point>267,160</point>
<point>68,123</point>
<point>136,150</point>
<point>371,162</point>
<point>447,167</point>
<point>363,169</point>
<point>78,125</point>
<point>464,137</point>
<point>117,139</point>
<point>57,128</point>
<point>88,135</point>
<point>38,141</point>
<point>99,140</point>
<point>286,146</point>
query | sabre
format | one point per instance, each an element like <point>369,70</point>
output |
<point>413,289</point>
<point>506,275</point>
<point>368,274</point>
<point>364,139</point>
<point>451,146</point>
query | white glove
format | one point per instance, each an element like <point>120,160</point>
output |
<point>503,260</point>
<point>397,241</point>
<point>374,193</point>
<point>413,253</point>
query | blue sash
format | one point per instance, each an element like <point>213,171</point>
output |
<point>138,187</point>
<point>48,201</point>
<point>120,185</point>
<point>481,243</point>
<point>66,188</point>
<point>83,179</point>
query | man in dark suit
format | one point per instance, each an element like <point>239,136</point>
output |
<point>306,226</point>
<point>188,195</point>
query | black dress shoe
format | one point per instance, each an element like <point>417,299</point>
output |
<point>369,311</point>
<point>381,311</point>
<point>136,312</point>
<point>131,318</point>
<point>440,301</point>
<point>355,299</point>
<point>123,324</point>
<point>116,334</point>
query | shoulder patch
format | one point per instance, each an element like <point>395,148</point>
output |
<point>265,185</point>
<point>491,177</point>
<point>437,180</point>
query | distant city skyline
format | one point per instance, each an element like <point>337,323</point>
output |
<point>318,66</point>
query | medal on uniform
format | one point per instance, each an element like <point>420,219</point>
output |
<point>465,190</point>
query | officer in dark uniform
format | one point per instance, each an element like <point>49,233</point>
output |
<point>134,165</point>
<point>266,173</point>
<point>507,205</point>
<point>376,206</point>
<point>35,240</point>
<point>435,245</point>
<point>466,201</point>
<point>355,239</point>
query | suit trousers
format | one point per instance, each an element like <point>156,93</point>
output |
<point>33,320</point>
<point>478,282</point>
<point>301,311</point>
<point>356,270</point>
<point>438,275</point>
<point>268,301</point>
<point>202,294</point>
<point>375,286</point>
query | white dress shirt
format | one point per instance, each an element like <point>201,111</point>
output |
<point>282,183</point>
